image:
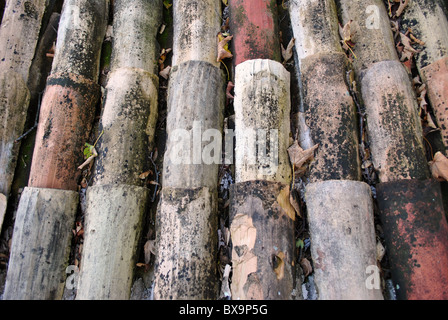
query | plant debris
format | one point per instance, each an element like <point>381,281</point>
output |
<point>439,167</point>
<point>165,73</point>
<point>298,156</point>
<point>223,47</point>
<point>347,33</point>
<point>287,53</point>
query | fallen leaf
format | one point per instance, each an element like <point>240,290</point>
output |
<point>109,33</point>
<point>88,150</point>
<point>230,86</point>
<point>165,73</point>
<point>408,65</point>
<point>298,156</point>
<point>279,265</point>
<point>380,251</point>
<point>90,153</point>
<point>395,28</point>
<point>416,81</point>
<point>225,26</point>
<point>223,47</point>
<point>149,248</point>
<point>284,202</point>
<point>306,266</point>
<point>145,174</point>
<point>84,183</point>
<point>287,53</point>
<point>294,203</point>
<point>430,123</point>
<point>366,164</point>
<point>439,167</point>
<point>408,50</point>
<point>162,57</point>
<point>345,31</point>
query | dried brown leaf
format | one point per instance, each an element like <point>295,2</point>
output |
<point>149,248</point>
<point>306,266</point>
<point>229,88</point>
<point>225,25</point>
<point>145,174</point>
<point>165,73</point>
<point>279,265</point>
<point>395,28</point>
<point>287,53</point>
<point>345,31</point>
<point>84,183</point>
<point>407,51</point>
<point>284,202</point>
<point>430,123</point>
<point>439,167</point>
<point>298,156</point>
<point>223,51</point>
<point>380,251</point>
<point>294,203</point>
<point>416,81</point>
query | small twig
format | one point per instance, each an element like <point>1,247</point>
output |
<point>430,147</point>
<point>228,74</point>
<point>98,138</point>
<point>90,159</point>
<point>350,48</point>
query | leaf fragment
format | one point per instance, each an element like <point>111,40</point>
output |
<point>223,47</point>
<point>345,31</point>
<point>294,202</point>
<point>380,251</point>
<point>279,265</point>
<point>287,53</point>
<point>89,153</point>
<point>298,156</point>
<point>145,174</point>
<point>283,199</point>
<point>165,73</point>
<point>162,57</point>
<point>439,167</point>
<point>306,266</point>
<point>229,88</point>
<point>88,150</point>
<point>149,248</point>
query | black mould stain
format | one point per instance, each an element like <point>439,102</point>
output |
<point>48,128</point>
<point>29,10</point>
